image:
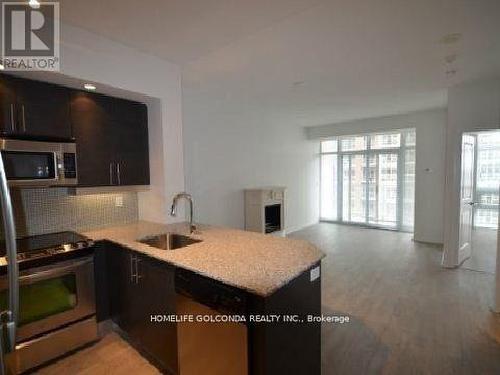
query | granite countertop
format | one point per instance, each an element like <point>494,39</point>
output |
<point>260,264</point>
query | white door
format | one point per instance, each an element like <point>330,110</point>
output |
<point>383,189</point>
<point>467,196</point>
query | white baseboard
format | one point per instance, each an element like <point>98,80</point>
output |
<point>429,243</point>
<point>299,227</point>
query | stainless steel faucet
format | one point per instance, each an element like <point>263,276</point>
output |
<point>189,198</point>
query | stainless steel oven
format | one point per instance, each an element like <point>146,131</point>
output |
<point>56,310</point>
<point>37,163</point>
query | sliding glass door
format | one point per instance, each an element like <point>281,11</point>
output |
<point>369,179</point>
<point>383,189</point>
<point>353,188</point>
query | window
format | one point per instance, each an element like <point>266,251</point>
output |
<point>353,143</point>
<point>487,180</point>
<point>369,179</point>
<point>329,146</point>
<point>380,141</point>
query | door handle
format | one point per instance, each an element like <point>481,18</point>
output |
<point>23,119</point>
<point>111,173</point>
<point>38,273</point>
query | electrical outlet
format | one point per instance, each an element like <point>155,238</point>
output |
<point>119,201</point>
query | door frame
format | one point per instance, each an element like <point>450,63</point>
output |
<point>465,250</point>
<point>452,257</point>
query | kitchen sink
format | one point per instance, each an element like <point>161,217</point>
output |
<point>169,241</point>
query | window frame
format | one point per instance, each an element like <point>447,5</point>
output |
<point>367,152</point>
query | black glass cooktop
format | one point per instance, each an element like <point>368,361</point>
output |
<point>44,241</point>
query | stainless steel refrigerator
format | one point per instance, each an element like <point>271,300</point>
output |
<point>8,317</point>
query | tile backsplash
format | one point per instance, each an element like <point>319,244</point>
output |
<point>39,211</point>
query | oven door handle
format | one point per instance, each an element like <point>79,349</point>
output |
<point>36,275</point>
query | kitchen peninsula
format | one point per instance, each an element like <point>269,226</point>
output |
<point>221,271</point>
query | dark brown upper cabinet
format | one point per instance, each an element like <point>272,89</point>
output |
<point>111,134</point>
<point>8,107</point>
<point>111,139</point>
<point>95,138</point>
<point>34,109</point>
<point>132,159</point>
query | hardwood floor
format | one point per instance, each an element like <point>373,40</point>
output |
<point>484,251</point>
<point>408,315</point>
<point>110,356</point>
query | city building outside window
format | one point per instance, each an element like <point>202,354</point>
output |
<point>369,179</point>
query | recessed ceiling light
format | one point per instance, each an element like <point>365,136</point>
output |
<point>89,86</point>
<point>450,38</point>
<point>35,4</point>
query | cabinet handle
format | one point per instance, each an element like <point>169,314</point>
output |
<point>132,274</point>
<point>137,276</point>
<point>118,175</point>
<point>24,119</point>
<point>111,173</point>
<point>12,118</point>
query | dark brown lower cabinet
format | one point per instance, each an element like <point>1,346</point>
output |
<point>159,338</point>
<point>287,348</point>
<point>141,288</point>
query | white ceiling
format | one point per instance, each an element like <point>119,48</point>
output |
<point>178,30</point>
<point>352,58</point>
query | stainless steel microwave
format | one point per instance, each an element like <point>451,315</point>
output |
<point>37,163</point>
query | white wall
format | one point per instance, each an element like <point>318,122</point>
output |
<point>91,57</point>
<point>429,168</point>
<point>227,151</point>
<point>472,106</point>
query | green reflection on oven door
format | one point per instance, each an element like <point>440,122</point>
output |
<point>44,298</point>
